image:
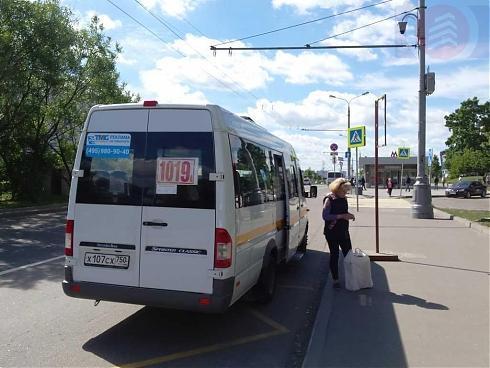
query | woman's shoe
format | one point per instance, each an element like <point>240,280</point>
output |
<point>336,284</point>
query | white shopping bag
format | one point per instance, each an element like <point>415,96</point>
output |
<point>357,268</point>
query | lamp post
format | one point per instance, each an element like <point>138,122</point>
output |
<point>349,174</point>
<point>422,201</point>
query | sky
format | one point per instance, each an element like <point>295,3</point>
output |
<point>166,56</point>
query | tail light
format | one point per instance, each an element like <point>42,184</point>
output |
<point>70,224</point>
<point>222,249</point>
<point>150,103</point>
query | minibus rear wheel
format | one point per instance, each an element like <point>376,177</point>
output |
<point>266,286</point>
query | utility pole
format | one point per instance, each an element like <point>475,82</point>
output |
<point>422,201</point>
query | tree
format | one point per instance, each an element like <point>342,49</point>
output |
<point>314,177</point>
<point>469,144</point>
<point>435,167</point>
<point>50,74</point>
<point>470,162</point>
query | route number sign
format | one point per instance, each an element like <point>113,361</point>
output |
<point>177,171</point>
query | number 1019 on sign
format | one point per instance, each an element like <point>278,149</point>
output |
<point>179,171</point>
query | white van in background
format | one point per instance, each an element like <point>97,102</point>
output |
<point>180,206</point>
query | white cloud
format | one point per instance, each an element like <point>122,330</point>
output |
<point>174,8</point>
<point>307,68</point>
<point>304,6</point>
<point>106,20</point>
<point>463,83</point>
<point>188,66</point>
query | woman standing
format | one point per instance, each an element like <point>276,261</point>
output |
<point>336,216</point>
<point>389,185</point>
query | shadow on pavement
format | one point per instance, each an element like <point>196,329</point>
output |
<point>28,278</point>
<point>248,334</point>
<point>27,240</point>
<point>363,330</point>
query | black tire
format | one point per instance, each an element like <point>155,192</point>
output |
<point>266,286</point>
<point>304,242</point>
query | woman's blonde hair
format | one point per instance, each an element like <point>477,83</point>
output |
<point>338,184</point>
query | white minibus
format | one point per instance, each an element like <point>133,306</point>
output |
<point>180,206</point>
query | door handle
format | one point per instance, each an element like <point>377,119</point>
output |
<point>152,223</point>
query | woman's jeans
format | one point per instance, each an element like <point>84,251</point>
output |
<point>335,241</point>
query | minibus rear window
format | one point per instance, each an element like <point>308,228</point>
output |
<point>111,172</point>
<point>177,169</point>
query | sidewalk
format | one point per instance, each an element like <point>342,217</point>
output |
<point>429,309</point>
<point>369,192</point>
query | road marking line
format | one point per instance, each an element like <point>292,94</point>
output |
<point>278,330</point>
<point>269,321</point>
<point>30,265</point>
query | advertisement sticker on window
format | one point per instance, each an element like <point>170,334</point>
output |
<point>108,145</point>
<point>173,171</point>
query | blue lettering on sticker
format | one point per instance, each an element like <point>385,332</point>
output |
<point>104,145</point>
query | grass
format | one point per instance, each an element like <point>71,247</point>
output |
<point>7,202</point>
<point>472,215</point>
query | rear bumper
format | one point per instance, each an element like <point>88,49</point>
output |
<point>219,300</point>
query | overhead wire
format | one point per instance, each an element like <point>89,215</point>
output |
<point>169,27</point>
<point>364,26</point>
<point>303,23</point>
<point>177,51</point>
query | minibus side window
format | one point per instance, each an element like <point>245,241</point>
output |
<point>259,160</point>
<point>278,177</point>
<point>250,193</point>
<point>292,183</point>
<point>301,183</point>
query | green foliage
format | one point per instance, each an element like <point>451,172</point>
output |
<point>469,144</point>
<point>314,177</point>
<point>470,162</point>
<point>50,74</point>
<point>435,168</point>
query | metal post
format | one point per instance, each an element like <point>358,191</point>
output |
<point>376,213</point>
<point>357,181</point>
<point>349,174</point>
<point>401,181</point>
<point>422,201</point>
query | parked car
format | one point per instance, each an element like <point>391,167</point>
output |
<point>466,189</point>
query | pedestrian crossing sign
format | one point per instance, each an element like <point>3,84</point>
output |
<point>404,153</point>
<point>357,137</point>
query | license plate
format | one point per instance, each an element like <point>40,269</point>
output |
<point>106,260</point>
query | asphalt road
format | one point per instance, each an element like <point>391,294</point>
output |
<point>43,327</point>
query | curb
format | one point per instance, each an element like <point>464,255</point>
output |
<point>15,212</point>
<point>318,334</point>
<point>467,223</point>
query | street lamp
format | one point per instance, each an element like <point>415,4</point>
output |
<point>422,202</point>
<point>349,174</point>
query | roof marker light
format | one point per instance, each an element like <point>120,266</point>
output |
<point>150,103</point>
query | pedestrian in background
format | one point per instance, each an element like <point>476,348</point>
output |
<point>436,183</point>
<point>389,186</point>
<point>443,181</point>
<point>408,181</point>
<point>336,230</point>
<point>362,181</point>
